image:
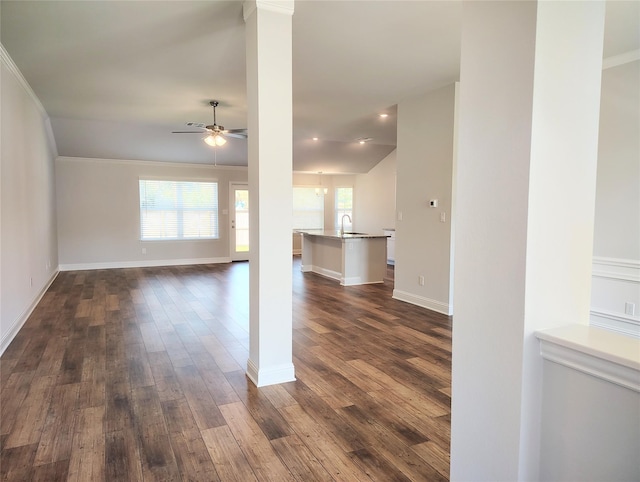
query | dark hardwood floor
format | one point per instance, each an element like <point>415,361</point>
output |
<point>139,374</point>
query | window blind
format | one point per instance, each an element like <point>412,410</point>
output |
<point>308,208</point>
<point>178,210</point>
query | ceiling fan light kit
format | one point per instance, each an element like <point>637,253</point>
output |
<point>215,134</point>
<point>215,140</point>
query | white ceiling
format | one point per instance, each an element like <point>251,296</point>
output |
<point>116,77</point>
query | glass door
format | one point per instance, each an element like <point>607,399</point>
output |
<point>239,218</point>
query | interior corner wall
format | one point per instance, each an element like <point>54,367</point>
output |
<point>374,200</point>
<point>616,250</point>
<point>99,214</point>
<point>28,244</point>
<point>424,172</point>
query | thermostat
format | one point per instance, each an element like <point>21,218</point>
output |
<point>433,203</point>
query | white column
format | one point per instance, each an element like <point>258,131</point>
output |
<point>527,148</point>
<point>269,97</point>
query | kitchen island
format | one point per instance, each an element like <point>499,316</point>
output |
<point>351,258</point>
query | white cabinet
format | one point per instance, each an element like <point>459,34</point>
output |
<point>391,245</point>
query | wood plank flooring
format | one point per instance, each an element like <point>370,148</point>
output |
<point>139,374</point>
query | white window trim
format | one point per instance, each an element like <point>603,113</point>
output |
<point>177,179</point>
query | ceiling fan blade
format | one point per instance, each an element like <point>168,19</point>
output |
<point>212,131</point>
<point>237,133</point>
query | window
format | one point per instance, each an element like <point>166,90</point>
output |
<point>178,210</point>
<point>344,205</point>
<point>308,208</point>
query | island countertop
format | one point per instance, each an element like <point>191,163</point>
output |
<point>336,234</point>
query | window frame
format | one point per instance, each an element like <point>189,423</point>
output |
<point>180,210</point>
<point>322,212</point>
<point>337,217</point>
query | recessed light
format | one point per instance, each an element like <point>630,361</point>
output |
<point>362,142</point>
<point>315,138</point>
<point>384,115</point>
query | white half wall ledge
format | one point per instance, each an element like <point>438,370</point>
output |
<point>142,264</point>
<point>618,322</point>
<point>428,303</point>
<point>614,282</point>
<point>270,376</point>
<point>617,269</point>
<point>597,352</point>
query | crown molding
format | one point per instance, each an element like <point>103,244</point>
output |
<point>13,68</point>
<point>130,162</point>
<point>15,71</point>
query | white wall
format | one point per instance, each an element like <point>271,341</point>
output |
<point>525,192</point>
<point>375,197</point>
<point>99,214</point>
<point>616,250</point>
<point>590,428</point>
<point>28,246</point>
<point>424,172</point>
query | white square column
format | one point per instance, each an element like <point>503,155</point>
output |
<point>527,150</point>
<point>270,151</point>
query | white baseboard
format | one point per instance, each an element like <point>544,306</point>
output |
<point>142,264</point>
<point>428,303</point>
<point>357,280</point>
<point>263,377</point>
<point>327,273</point>
<point>24,316</point>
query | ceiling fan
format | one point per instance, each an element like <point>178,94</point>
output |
<point>215,133</point>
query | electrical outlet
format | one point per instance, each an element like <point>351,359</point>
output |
<point>144,250</point>
<point>421,280</point>
<point>30,282</point>
<point>630,308</point>
<point>399,215</point>
<point>443,217</point>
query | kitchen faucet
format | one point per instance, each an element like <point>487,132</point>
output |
<point>342,223</point>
